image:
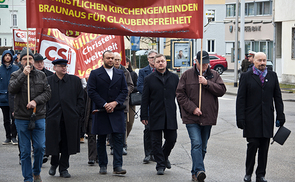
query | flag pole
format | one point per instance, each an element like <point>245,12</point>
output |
<point>201,67</point>
<point>28,63</point>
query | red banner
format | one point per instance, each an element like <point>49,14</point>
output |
<point>156,18</point>
<point>84,52</point>
<point>20,39</point>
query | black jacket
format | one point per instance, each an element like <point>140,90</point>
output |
<point>254,107</point>
<point>158,100</point>
<point>67,101</point>
<point>39,89</point>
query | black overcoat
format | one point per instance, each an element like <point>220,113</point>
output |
<point>101,90</point>
<point>67,100</point>
<point>158,100</point>
<point>255,104</point>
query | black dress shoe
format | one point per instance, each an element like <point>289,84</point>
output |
<point>146,160</point>
<point>119,170</point>
<point>260,179</point>
<point>168,164</point>
<point>65,174</point>
<point>103,170</point>
<point>52,170</point>
<point>45,159</point>
<point>247,178</point>
<point>201,175</point>
<point>160,171</point>
<point>91,162</point>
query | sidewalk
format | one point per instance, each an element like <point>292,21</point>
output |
<point>287,97</point>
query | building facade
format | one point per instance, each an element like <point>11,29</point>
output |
<point>259,30</point>
<point>285,40</point>
<point>12,16</point>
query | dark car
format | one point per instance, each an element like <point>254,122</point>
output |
<point>218,63</point>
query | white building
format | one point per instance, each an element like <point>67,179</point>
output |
<point>12,16</point>
<point>285,40</point>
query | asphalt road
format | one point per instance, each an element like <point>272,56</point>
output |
<point>224,162</point>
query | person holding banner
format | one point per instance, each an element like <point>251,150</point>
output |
<point>107,89</point>
<point>65,111</point>
<point>40,93</point>
<point>147,142</point>
<point>258,92</point>
<point>198,120</point>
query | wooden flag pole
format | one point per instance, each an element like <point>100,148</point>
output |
<point>28,63</point>
<point>201,67</point>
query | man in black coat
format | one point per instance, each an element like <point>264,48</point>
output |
<point>107,89</point>
<point>258,89</point>
<point>64,113</point>
<point>158,109</point>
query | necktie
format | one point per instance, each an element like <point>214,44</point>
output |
<point>153,69</point>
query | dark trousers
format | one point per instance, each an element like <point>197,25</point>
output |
<point>9,127</point>
<point>92,147</point>
<point>262,145</point>
<point>117,141</point>
<point>147,141</point>
<point>161,153</point>
<point>62,159</point>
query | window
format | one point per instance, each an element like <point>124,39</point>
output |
<point>249,9</point>
<point>0,42</point>
<point>228,46</point>
<point>5,42</point>
<point>230,10</point>
<point>263,8</point>
<point>211,46</point>
<point>14,20</point>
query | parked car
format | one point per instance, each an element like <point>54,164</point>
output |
<point>218,63</point>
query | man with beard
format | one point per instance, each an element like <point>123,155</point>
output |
<point>39,94</point>
<point>158,109</point>
<point>258,91</point>
<point>107,89</point>
<point>6,69</point>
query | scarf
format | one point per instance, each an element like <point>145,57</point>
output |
<point>261,74</point>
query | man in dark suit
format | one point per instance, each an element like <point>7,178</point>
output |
<point>107,89</point>
<point>258,89</point>
<point>158,109</point>
<point>146,133</point>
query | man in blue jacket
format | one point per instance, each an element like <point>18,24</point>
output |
<point>6,69</point>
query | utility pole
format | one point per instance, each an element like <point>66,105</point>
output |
<point>236,46</point>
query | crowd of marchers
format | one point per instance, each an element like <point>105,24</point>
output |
<point>52,111</point>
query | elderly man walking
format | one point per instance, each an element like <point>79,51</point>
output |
<point>258,91</point>
<point>40,93</point>
<point>199,121</point>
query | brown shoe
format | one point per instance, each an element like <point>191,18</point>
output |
<point>194,178</point>
<point>37,178</point>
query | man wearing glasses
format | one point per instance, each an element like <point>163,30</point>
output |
<point>64,114</point>
<point>146,134</point>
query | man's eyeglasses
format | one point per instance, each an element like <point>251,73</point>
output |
<point>117,60</point>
